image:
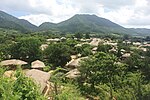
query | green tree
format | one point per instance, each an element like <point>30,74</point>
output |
<point>84,50</point>
<point>87,36</point>
<point>104,48</point>
<point>79,35</point>
<point>4,51</point>
<point>27,49</point>
<point>23,88</point>
<point>101,68</point>
<point>57,54</point>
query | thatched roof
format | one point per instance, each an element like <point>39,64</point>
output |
<point>75,62</point>
<point>43,46</point>
<point>54,40</point>
<point>94,49</point>
<point>110,43</point>
<point>95,42</point>
<point>126,55</point>
<point>73,74</point>
<point>12,62</point>
<point>10,74</point>
<point>40,77</point>
<point>73,56</point>
<point>113,50</point>
<point>37,64</point>
<point>80,44</point>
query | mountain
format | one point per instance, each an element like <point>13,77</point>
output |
<point>142,31</point>
<point>77,23</point>
<point>47,26</point>
<point>86,23</point>
<point>11,25</point>
<point>9,21</point>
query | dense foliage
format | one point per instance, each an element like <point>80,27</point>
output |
<point>57,54</point>
<point>27,49</point>
<point>19,88</point>
<point>103,75</point>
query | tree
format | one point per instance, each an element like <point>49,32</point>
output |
<point>104,48</point>
<point>87,36</point>
<point>4,51</point>
<point>23,88</point>
<point>84,50</point>
<point>79,35</point>
<point>27,49</point>
<point>57,54</point>
<point>126,37</point>
<point>101,68</point>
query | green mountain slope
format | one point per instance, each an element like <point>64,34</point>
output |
<point>47,26</point>
<point>11,25</point>
<point>141,31</point>
<point>86,23</point>
<point>9,21</point>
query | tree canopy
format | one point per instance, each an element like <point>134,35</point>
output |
<point>27,49</point>
<point>58,54</point>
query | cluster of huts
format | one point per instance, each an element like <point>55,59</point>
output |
<point>40,77</point>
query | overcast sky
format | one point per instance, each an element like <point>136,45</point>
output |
<point>128,13</point>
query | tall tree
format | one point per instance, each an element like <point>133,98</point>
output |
<point>57,54</point>
<point>27,49</point>
<point>101,68</point>
<point>79,35</point>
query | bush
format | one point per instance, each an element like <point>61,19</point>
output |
<point>23,88</point>
<point>69,92</point>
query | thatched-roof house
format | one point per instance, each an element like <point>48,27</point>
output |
<point>75,62</point>
<point>43,46</point>
<point>13,62</point>
<point>73,56</point>
<point>110,43</point>
<point>113,50</point>
<point>40,77</point>
<point>63,38</point>
<point>94,49</point>
<point>126,55</point>
<point>136,43</point>
<point>95,42</point>
<point>10,74</point>
<point>37,64</point>
<point>54,40</point>
<point>73,74</point>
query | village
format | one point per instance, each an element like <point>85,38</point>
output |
<point>36,69</point>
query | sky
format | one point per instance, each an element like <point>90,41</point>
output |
<point>128,13</point>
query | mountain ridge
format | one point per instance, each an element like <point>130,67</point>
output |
<point>88,23</point>
<point>26,25</point>
<point>77,23</point>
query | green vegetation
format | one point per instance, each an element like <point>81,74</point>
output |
<point>123,74</point>
<point>84,50</point>
<point>26,49</point>
<point>10,22</point>
<point>22,88</point>
<point>57,54</point>
<point>104,48</point>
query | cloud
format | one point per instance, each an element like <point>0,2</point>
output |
<point>124,12</point>
<point>37,19</point>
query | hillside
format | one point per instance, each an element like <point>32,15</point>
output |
<point>86,23</point>
<point>11,22</point>
<point>47,26</point>
<point>141,31</point>
<point>78,23</point>
<point>11,25</point>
